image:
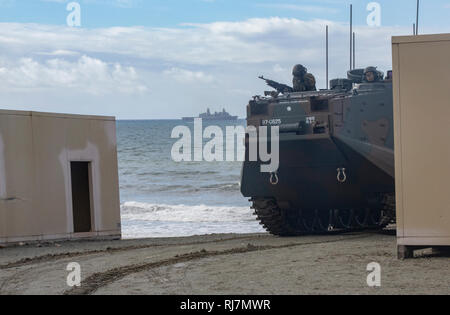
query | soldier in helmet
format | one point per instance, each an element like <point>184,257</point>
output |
<point>371,75</point>
<point>303,81</point>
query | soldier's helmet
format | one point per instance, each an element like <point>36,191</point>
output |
<point>371,70</point>
<point>299,71</point>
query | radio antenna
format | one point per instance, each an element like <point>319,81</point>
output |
<point>417,17</point>
<point>327,57</point>
<point>354,50</point>
<point>351,34</point>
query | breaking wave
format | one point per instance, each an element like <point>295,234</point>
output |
<point>138,211</point>
<point>142,220</point>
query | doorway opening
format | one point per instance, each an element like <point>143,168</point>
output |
<point>81,196</point>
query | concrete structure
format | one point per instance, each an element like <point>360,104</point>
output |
<point>422,141</point>
<point>58,177</point>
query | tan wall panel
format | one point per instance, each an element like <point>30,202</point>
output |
<point>426,169</point>
<point>16,172</point>
<point>51,173</point>
<point>397,141</point>
<point>104,135</point>
<point>422,116</point>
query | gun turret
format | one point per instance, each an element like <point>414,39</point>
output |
<point>281,88</point>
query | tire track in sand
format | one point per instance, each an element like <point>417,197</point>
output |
<point>94,282</point>
<point>109,250</point>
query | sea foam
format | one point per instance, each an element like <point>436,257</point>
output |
<point>161,220</point>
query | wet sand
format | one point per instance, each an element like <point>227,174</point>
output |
<point>223,264</point>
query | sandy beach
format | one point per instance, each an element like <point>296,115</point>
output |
<point>223,264</point>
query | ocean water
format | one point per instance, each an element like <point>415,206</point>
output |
<point>163,198</point>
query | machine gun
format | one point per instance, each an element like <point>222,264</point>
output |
<point>281,88</point>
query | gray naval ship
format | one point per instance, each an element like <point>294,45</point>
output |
<point>221,116</point>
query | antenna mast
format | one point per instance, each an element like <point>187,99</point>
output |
<point>327,56</point>
<point>354,50</point>
<point>351,34</point>
<point>417,17</point>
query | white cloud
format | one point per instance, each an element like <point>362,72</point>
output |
<point>199,61</point>
<point>186,76</point>
<point>59,53</point>
<point>86,74</point>
<point>301,8</point>
<point>250,41</point>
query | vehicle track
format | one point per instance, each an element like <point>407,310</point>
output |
<point>280,222</point>
<point>94,282</point>
<point>108,250</point>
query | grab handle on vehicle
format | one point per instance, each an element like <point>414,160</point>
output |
<point>342,175</point>
<point>274,179</point>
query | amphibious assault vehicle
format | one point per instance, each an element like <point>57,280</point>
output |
<point>336,168</point>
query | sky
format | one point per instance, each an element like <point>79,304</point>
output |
<point>163,59</point>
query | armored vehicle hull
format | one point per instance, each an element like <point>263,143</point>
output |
<point>336,161</point>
